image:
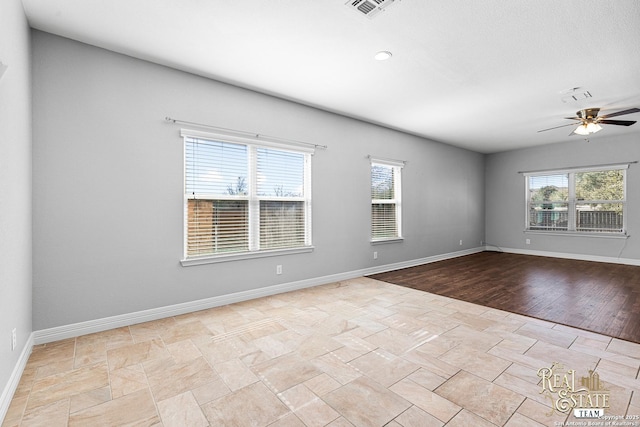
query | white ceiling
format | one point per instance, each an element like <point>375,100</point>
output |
<point>483,75</point>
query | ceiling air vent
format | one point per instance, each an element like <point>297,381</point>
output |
<point>369,8</point>
<point>574,94</point>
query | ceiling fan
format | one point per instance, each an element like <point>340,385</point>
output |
<point>590,121</point>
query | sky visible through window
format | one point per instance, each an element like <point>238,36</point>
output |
<point>560,181</point>
<point>222,168</point>
<point>280,173</point>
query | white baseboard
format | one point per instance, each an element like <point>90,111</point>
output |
<point>98,325</point>
<point>419,261</point>
<point>14,379</point>
<point>581,257</point>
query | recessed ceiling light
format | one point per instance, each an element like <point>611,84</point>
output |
<point>383,55</point>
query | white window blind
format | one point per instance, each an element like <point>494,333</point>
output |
<point>385,200</point>
<point>280,182</point>
<point>592,200</point>
<point>243,198</point>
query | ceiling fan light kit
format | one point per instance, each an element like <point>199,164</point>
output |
<point>589,123</point>
<point>587,129</point>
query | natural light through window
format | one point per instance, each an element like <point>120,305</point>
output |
<point>590,200</point>
<point>386,200</point>
<point>245,198</point>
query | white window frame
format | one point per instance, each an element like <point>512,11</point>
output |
<point>572,201</point>
<point>396,166</point>
<point>253,144</point>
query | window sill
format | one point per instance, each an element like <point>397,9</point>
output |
<point>385,241</point>
<point>600,235</point>
<point>214,259</point>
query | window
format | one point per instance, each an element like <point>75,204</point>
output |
<point>245,198</point>
<point>385,200</point>
<point>590,200</point>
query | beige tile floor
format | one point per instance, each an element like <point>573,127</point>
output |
<point>355,353</point>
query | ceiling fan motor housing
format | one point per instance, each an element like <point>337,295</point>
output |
<point>588,113</point>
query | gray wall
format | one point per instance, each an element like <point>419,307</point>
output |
<point>108,177</point>
<point>505,195</point>
<point>15,186</point>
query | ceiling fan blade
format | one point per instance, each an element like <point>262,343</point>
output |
<point>573,118</point>
<point>617,122</point>
<point>544,130</point>
<point>621,113</point>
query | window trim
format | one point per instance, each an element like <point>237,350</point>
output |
<point>397,166</point>
<point>214,259</point>
<point>571,201</point>
<point>257,141</point>
<point>253,144</point>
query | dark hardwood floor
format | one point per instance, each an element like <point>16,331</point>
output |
<point>594,296</point>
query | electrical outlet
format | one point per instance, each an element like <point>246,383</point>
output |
<point>375,255</point>
<point>460,242</point>
<point>278,269</point>
<point>528,241</point>
<point>14,339</point>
